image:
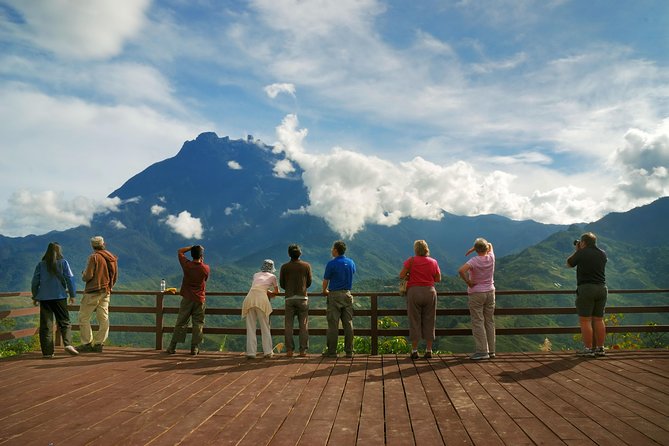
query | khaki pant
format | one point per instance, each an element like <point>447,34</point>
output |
<point>422,312</point>
<point>482,311</point>
<point>90,302</point>
<point>340,307</point>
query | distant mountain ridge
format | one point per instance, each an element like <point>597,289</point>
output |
<point>230,185</point>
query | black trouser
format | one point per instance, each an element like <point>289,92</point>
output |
<point>48,309</point>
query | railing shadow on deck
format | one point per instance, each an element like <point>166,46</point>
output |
<point>373,312</point>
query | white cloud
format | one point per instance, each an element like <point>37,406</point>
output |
<point>185,225</point>
<point>39,212</point>
<point>644,166</point>
<point>117,224</point>
<point>349,189</point>
<point>157,209</point>
<point>234,165</point>
<point>82,145</point>
<point>283,168</point>
<point>577,100</point>
<point>274,89</point>
<point>230,209</point>
<point>522,158</point>
<point>80,30</point>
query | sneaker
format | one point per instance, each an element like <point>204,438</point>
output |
<point>85,348</point>
<point>599,351</point>
<point>269,356</point>
<point>586,353</point>
<point>329,355</point>
<point>194,351</point>
<point>414,356</point>
<point>71,350</point>
<point>302,354</point>
<point>250,357</point>
<point>491,355</point>
<point>172,349</point>
<point>97,348</point>
<point>427,355</point>
<point>51,356</point>
<point>289,354</point>
<point>479,356</point>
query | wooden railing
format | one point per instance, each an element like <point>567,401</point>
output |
<point>373,312</point>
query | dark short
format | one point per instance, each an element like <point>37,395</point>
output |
<point>591,299</point>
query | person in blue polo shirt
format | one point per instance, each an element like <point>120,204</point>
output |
<point>337,284</point>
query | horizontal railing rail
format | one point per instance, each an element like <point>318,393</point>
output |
<point>374,313</point>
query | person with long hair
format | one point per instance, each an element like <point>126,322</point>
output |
<point>51,284</point>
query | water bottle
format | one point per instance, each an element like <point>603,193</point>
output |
<point>162,286</point>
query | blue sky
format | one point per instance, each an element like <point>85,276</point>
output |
<point>556,111</point>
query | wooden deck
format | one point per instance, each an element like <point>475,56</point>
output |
<point>140,397</point>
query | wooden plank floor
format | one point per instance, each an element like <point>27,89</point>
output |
<point>143,397</point>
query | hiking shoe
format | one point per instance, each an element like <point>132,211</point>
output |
<point>479,356</point>
<point>97,348</point>
<point>302,354</point>
<point>85,348</point>
<point>599,351</point>
<point>329,355</point>
<point>71,350</point>
<point>427,355</point>
<point>194,351</point>
<point>414,356</point>
<point>586,353</point>
<point>491,355</point>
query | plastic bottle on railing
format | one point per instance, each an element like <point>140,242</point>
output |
<point>162,286</point>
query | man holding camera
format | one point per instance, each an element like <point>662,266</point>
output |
<point>591,293</point>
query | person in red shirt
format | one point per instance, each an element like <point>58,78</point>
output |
<point>422,272</point>
<point>192,292</point>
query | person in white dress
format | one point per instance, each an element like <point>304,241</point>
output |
<point>256,309</point>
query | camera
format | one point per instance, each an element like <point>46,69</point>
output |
<point>576,242</point>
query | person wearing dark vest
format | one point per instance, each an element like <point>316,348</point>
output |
<point>591,293</point>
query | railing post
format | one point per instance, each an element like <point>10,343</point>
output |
<point>374,321</point>
<point>160,297</point>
